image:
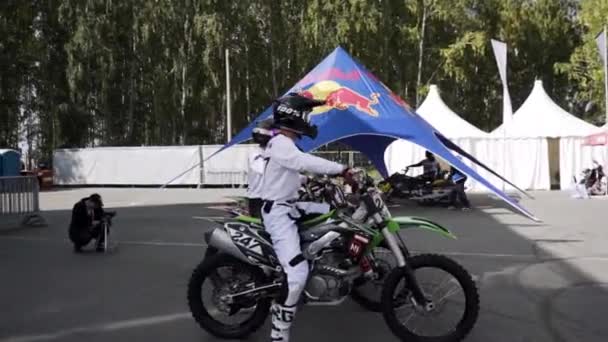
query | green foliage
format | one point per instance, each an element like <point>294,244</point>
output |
<point>584,68</point>
<point>151,72</point>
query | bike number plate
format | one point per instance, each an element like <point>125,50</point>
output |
<point>357,246</point>
<point>240,236</point>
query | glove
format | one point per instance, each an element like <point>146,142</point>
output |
<point>349,179</point>
<point>347,173</point>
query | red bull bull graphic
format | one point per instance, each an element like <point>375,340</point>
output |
<point>340,97</point>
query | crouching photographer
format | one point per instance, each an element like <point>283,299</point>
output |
<point>88,222</point>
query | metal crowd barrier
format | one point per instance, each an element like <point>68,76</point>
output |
<point>350,158</point>
<point>19,198</point>
<point>234,179</point>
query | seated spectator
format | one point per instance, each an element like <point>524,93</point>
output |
<point>430,167</point>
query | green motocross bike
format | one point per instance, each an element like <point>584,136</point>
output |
<point>231,290</point>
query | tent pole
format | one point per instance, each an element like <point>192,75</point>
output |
<point>504,158</point>
<point>181,174</point>
<point>201,175</point>
<point>228,109</point>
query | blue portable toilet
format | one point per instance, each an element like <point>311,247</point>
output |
<point>10,163</point>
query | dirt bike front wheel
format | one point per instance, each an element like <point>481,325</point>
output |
<point>453,301</point>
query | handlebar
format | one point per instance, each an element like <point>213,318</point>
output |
<point>358,181</point>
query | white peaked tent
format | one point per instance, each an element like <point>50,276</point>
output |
<point>539,116</point>
<point>475,141</point>
<point>438,114</point>
<point>542,140</point>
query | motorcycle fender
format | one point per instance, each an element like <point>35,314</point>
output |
<point>406,222</point>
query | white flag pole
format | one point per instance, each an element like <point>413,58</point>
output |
<point>500,53</point>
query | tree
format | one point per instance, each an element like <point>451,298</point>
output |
<point>584,68</point>
<point>104,72</point>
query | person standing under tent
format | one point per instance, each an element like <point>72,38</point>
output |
<point>458,193</point>
<point>595,185</point>
<point>282,179</point>
<point>261,135</point>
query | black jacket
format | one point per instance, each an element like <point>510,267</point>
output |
<point>81,220</point>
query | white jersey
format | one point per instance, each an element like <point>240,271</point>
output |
<point>255,173</point>
<point>284,162</point>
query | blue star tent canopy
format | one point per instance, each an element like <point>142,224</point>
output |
<point>363,113</point>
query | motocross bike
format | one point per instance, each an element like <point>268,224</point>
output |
<point>244,276</point>
<point>399,184</point>
<point>366,292</point>
<point>418,189</point>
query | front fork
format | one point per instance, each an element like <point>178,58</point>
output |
<point>412,283</point>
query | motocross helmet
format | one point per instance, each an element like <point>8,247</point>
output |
<point>292,113</point>
<point>263,132</point>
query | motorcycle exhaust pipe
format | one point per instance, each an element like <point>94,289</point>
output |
<point>220,240</point>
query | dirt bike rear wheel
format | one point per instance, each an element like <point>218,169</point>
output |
<point>208,271</point>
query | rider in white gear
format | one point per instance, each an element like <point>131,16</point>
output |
<point>284,162</point>
<point>261,135</point>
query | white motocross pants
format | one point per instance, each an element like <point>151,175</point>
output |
<point>279,222</point>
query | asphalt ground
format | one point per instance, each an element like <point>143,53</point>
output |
<point>538,282</point>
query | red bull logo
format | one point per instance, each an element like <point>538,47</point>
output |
<point>340,97</point>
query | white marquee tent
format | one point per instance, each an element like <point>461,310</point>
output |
<point>539,116</point>
<point>450,124</point>
<point>434,110</point>
<point>544,139</point>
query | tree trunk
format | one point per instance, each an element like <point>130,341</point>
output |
<point>130,119</point>
<point>386,49</point>
<point>272,57</point>
<point>184,57</point>
<point>182,109</point>
<point>247,93</point>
